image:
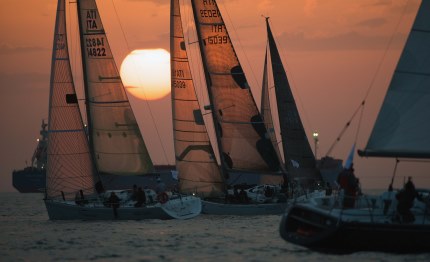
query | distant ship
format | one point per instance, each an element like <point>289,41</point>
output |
<point>32,179</point>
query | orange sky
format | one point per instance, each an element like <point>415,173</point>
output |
<point>331,49</point>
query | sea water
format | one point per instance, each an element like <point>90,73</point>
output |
<point>26,234</point>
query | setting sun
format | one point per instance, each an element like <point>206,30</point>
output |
<point>146,73</point>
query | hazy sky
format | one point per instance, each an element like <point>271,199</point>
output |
<point>332,50</point>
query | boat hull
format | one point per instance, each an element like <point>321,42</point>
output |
<point>217,208</point>
<point>324,232</point>
<point>181,208</point>
<point>29,180</point>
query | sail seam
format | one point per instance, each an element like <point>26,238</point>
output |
<point>109,102</point>
<point>412,73</point>
<point>66,130</point>
<point>185,100</point>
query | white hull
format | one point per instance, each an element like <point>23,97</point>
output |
<point>180,208</point>
<point>216,208</point>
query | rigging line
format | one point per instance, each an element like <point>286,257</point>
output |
<point>394,172</point>
<point>383,58</point>
<point>370,85</point>
<point>291,79</point>
<point>344,129</point>
<point>240,43</point>
<point>386,50</point>
<point>359,123</point>
<point>147,103</point>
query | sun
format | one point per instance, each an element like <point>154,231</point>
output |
<point>146,73</point>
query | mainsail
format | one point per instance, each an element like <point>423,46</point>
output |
<point>241,133</point>
<point>402,128</point>
<point>299,159</point>
<point>195,159</point>
<point>114,134</point>
<point>69,167</point>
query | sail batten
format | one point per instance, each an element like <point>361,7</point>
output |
<point>401,128</point>
<point>196,164</point>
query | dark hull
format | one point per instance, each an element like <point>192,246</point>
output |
<point>29,180</point>
<point>323,232</point>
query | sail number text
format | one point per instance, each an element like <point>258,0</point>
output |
<point>178,74</point>
<point>217,39</point>
<point>95,46</point>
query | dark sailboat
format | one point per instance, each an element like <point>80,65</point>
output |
<point>379,223</point>
<point>300,163</point>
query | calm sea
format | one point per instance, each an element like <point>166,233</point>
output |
<point>26,234</point>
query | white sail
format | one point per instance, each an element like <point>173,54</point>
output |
<point>241,133</point>
<point>195,160</point>
<point>402,128</point>
<point>69,166</point>
<point>114,134</point>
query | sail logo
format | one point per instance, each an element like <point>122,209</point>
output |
<point>91,20</point>
<point>60,44</point>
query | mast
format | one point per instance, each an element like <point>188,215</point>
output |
<point>195,160</point>
<point>224,171</point>
<point>84,73</point>
<point>240,131</point>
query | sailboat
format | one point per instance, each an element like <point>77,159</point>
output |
<point>380,223</point>
<point>247,156</point>
<point>300,163</point>
<point>111,143</point>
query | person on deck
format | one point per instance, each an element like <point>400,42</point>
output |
<point>348,182</point>
<point>243,197</point>
<point>114,203</point>
<point>140,198</point>
<point>134,193</point>
<point>161,187</point>
<point>328,189</point>
<point>405,200</point>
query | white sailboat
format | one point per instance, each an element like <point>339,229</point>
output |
<point>113,143</point>
<point>401,131</point>
<point>246,154</point>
